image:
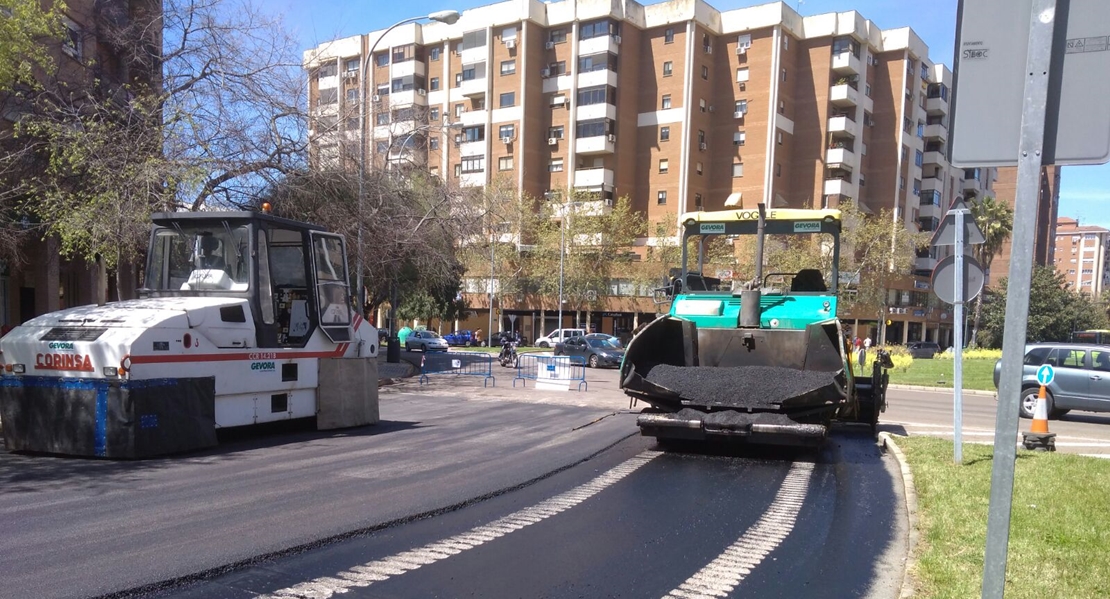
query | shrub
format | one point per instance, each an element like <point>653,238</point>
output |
<point>898,354</point>
<point>981,353</point>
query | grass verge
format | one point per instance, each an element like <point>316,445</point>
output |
<point>1059,533</point>
<point>978,374</point>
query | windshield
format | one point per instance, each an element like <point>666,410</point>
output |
<point>793,263</point>
<point>200,258</point>
<point>604,343</point>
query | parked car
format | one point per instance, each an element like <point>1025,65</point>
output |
<point>459,338</point>
<point>425,341</point>
<point>610,338</point>
<point>558,336</point>
<point>923,349</point>
<point>1081,382</point>
<point>597,352</point>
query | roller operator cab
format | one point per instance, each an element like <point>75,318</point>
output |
<point>763,360</point>
<point>244,318</point>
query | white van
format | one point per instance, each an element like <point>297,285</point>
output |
<point>558,336</point>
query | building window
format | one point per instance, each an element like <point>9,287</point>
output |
<point>433,83</point>
<point>433,114</point>
<point>901,182</point>
<point>508,67</point>
<point>664,134</point>
<point>664,166</point>
<point>741,108</point>
<point>433,171</point>
<point>458,170</point>
<point>558,36</point>
<point>742,74</point>
<point>557,68</point>
<point>701,137</point>
<point>744,40</point>
<point>699,168</point>
<point>784,70</point>
<point>867,120</point>
<point>668,38</point>
<point>737,170</point>
<point>325,70</point>
<point>705,72</point>
<point>473,164</point>
<point>701,105</point>
<point>473,39</point>
<point>329,96</point>
<point>352,96</point>
<point>596,29</point>
<point>555,166</point>
<point>782,107</point>
<point>433,143</point>
<point>778,170</point>
<point>555,132</point>
<point>508,33</point>
<point>433,53</point>
<point>382,90</point>
<point>595,95</point>
<point>351,65</point>
<point>779,139</point>
<point>505,163</point>
<point>867,90</point>
<point>667,68</point>
<point>907,125</point>
<point>508,99</point>
<point>862,180</point>
<point>917,187</point>
<point>470,134</point>
<point>785,44</point>
<point>506,131</point>
<point>666,101</point>
<point>381,60</point>
<point>661,198</point>
<point>920,129</point>
<point>918,158</point>
<point>382,118</point>
<point>739,137</point>
<point>697,201</point>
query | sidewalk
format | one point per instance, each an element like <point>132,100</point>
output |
<point>390,373</point>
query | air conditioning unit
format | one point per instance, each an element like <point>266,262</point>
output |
<point>702,146</point>
<point>421,92</point>
<point>740,50</point>
<point>458,139</point>
<point>350,74</point>
<point>617,40</point>
<point>552,141</point>
<point>738,115</point>
<point>612,138</point>
<point>545,72</point>
<point>710,108</point>
<point>550,45</point>
<point>708,49</point>
<point>510,44</point>
<point>743,86</point>
<point>506,140</point>
<point>609,202</point>
<point>377,98</point>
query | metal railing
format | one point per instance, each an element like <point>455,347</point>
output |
<point>458,363</point>
<point>549,368</point>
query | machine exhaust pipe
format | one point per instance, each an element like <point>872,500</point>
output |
<point>750,298</point>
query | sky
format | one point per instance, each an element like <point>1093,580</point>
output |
<point>1084,190</point>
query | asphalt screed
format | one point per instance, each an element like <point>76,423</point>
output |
<point>739,386</point>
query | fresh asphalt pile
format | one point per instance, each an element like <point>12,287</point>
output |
<point>739,386</point>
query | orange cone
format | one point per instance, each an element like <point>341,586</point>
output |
<point>1038,438</point>
<point>1040,414</point>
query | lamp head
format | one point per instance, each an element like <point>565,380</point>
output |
<point>445,16</point>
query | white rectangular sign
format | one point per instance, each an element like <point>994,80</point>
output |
<point>990,84</point>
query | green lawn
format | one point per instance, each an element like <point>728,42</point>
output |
<point>1059,533</point>
<point>978,374</point>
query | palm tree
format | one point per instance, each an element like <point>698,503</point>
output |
<point>996,220</point>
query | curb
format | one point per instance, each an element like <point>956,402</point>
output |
<point>941,390</point>
<point>887,441</point>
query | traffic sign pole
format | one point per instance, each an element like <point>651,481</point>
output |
<point>958,334</point>
<point>1042,22</point>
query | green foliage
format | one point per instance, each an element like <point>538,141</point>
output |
<point>996,220</point>
<point>1054,310</point>
<point>990,355</point>
<point>24,25</point>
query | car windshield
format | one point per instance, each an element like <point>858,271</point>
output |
<point>604,343</point>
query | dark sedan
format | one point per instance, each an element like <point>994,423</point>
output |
<point>596,352</point>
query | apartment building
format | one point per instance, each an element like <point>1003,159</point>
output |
<point>1081,256</point>
<point>1045,236</point>
<point>676,105</point>
<point>88,59</point>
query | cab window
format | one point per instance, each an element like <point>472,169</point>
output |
<point>1064,357</point>
<point>1036,356</point>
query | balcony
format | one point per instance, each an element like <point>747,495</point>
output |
<point>596,111</point>
<point>596,78</point>
<point>837,186</point>
<point>971,185</point>
<point>931,184</point>
<point>598,144</point>
<point>937,131</point>
<point>925,263</point>
<point>472,88</point>
<point>844,95</point>
<point>936,106</point>
<point>408,98</point>
<point>846,63</point>
<point>929,210</point>
<point>935,158</point>
<point>841,158</point>
<point>593,177</point>
<point>597,45</point>
<point>843,125</point>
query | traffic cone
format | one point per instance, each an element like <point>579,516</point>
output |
<point>1038,438</point>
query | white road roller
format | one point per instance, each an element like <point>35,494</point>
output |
<point>244,319</point>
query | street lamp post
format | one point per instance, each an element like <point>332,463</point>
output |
<point>449,17</point>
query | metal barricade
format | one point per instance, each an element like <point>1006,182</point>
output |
<point>547,369</point>
<point>458,363</point>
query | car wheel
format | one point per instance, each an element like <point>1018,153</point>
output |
<point>543,344</point>
<point>593,361</point>
<point>1029,402</point>
<point>424,347</point>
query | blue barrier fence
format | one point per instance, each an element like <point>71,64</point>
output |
<point>458,363</point>
<point>549,369</point>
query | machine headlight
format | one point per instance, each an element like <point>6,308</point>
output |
<point>111,371</point>
<point>19,368</point>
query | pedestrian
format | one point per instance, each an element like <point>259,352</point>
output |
<point>863,350</point>
<point>857,344</point>
<point>478,338</point>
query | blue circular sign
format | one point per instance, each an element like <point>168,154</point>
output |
<point>1045,374</point>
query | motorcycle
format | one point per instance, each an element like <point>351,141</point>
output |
<point>507,357</point>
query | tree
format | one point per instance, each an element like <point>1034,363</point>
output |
<point>23,26</point>
<point>210,114</point>
<point>1054,311</point>
<point>996,220</point>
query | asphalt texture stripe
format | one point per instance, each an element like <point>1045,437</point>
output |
<point>395,565</point>
<point>723,574</point>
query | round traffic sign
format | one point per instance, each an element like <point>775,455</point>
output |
<point>1045,374</point>
<point>944,279</point>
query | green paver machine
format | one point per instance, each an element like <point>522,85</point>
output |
<point>763,361</point>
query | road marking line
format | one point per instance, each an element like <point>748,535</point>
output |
<point>736,562</point>
<point>383,569</point>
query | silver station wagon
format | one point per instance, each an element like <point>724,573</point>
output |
<point>1081,382</point>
